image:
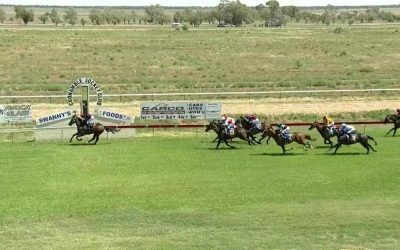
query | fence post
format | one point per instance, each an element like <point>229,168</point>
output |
<point>62,134</point>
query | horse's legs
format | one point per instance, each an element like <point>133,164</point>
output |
<point>394,133</point>
<point>262,138</point>
<point>94,137</point>
<point>219,141</point>
<point>215,139</point>
<point>390,130</point>
<point>368,146</point>
<point>253,139</point>
<point>70,140</point>
<point>337,147</point>
<point>283,149</point>
<point>226,142</point>
<point>97,139</point>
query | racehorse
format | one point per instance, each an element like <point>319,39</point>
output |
<point>395,120</point>
<point>96,130</point>
<point>252,130</point>
<point>324,132</point>
<point>298,137</point>
<point>213,125</point>
<point>224,135</point>
<point>360,138</point>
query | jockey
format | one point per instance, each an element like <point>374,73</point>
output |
<point>254,122</point>
<point>225,119</point>
<point>230,127</point>
<point>88,121</point>
<point>329,123</point>
<point>284,131</point>
<point>349,131</point>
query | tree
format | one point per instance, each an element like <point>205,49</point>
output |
<point>26,15</point>
<point>155,14</point>
<point>71,16</point>
<point>133,17</point>
<point>273,6</point>
<point>54,17</point>
<point>290,11</point>
<point>240,13</point>
<point>83,21</point>
<point>2,15</point>
<point>95,17</point>
<point>45,17</point>
<point>273,14</point>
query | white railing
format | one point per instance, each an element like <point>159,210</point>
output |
<point>217,94</point>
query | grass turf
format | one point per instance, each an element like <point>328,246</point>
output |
<point>165,192</point>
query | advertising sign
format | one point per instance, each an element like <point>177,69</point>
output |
<point>54,117</point>
<point>179,110</point>
<point>85,82</point>
<point>114,116</point>
<point>15,113</point>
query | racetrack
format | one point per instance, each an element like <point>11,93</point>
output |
<point>180,192</point>
<point>270,106</point>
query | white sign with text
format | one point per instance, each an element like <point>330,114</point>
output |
<point>179,110</point>
<point>15,113</point>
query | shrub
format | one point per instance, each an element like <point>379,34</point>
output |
<point>185,27</point>
<point>367,69</point>
<point>338,30</point>
<point>298,64</point>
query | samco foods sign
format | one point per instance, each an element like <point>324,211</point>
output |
<point>179,110</point>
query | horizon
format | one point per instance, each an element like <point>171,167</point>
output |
<point>195,3</point>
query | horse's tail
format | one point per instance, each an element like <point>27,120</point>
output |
<point>371,138</point>
<point>112,130</point>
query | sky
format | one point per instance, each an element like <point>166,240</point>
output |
<point>203,3</point>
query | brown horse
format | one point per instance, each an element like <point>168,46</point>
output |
<point>396,122</point>
<point>224,135</point>
<point>298,137</point>
<point>360,138</point>
<point>323,131</point>
<point>96,130</point>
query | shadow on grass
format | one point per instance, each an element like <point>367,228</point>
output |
<point>343,153</point>
<point>277,154</point>
<point>85,144</point>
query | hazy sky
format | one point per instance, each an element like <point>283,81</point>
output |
<point>195,2</point>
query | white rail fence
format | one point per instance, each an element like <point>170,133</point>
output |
<point>217,95</point>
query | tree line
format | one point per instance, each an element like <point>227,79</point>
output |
<point>229,13</point>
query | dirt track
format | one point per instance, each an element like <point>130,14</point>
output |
<point>269,106</point>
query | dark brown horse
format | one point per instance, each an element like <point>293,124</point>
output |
<point>360,138</point>
<point>396,122</point>
<point>96,130</point>
<point>224,135</point>
<point>251,129</point>
<point>323,131</point>
<point>298,137</point>
<point>213,125</point>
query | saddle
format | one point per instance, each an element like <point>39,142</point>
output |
<point>286,139</point>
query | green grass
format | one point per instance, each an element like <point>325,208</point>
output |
<point>166,192</point>
<point>150,59</point>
